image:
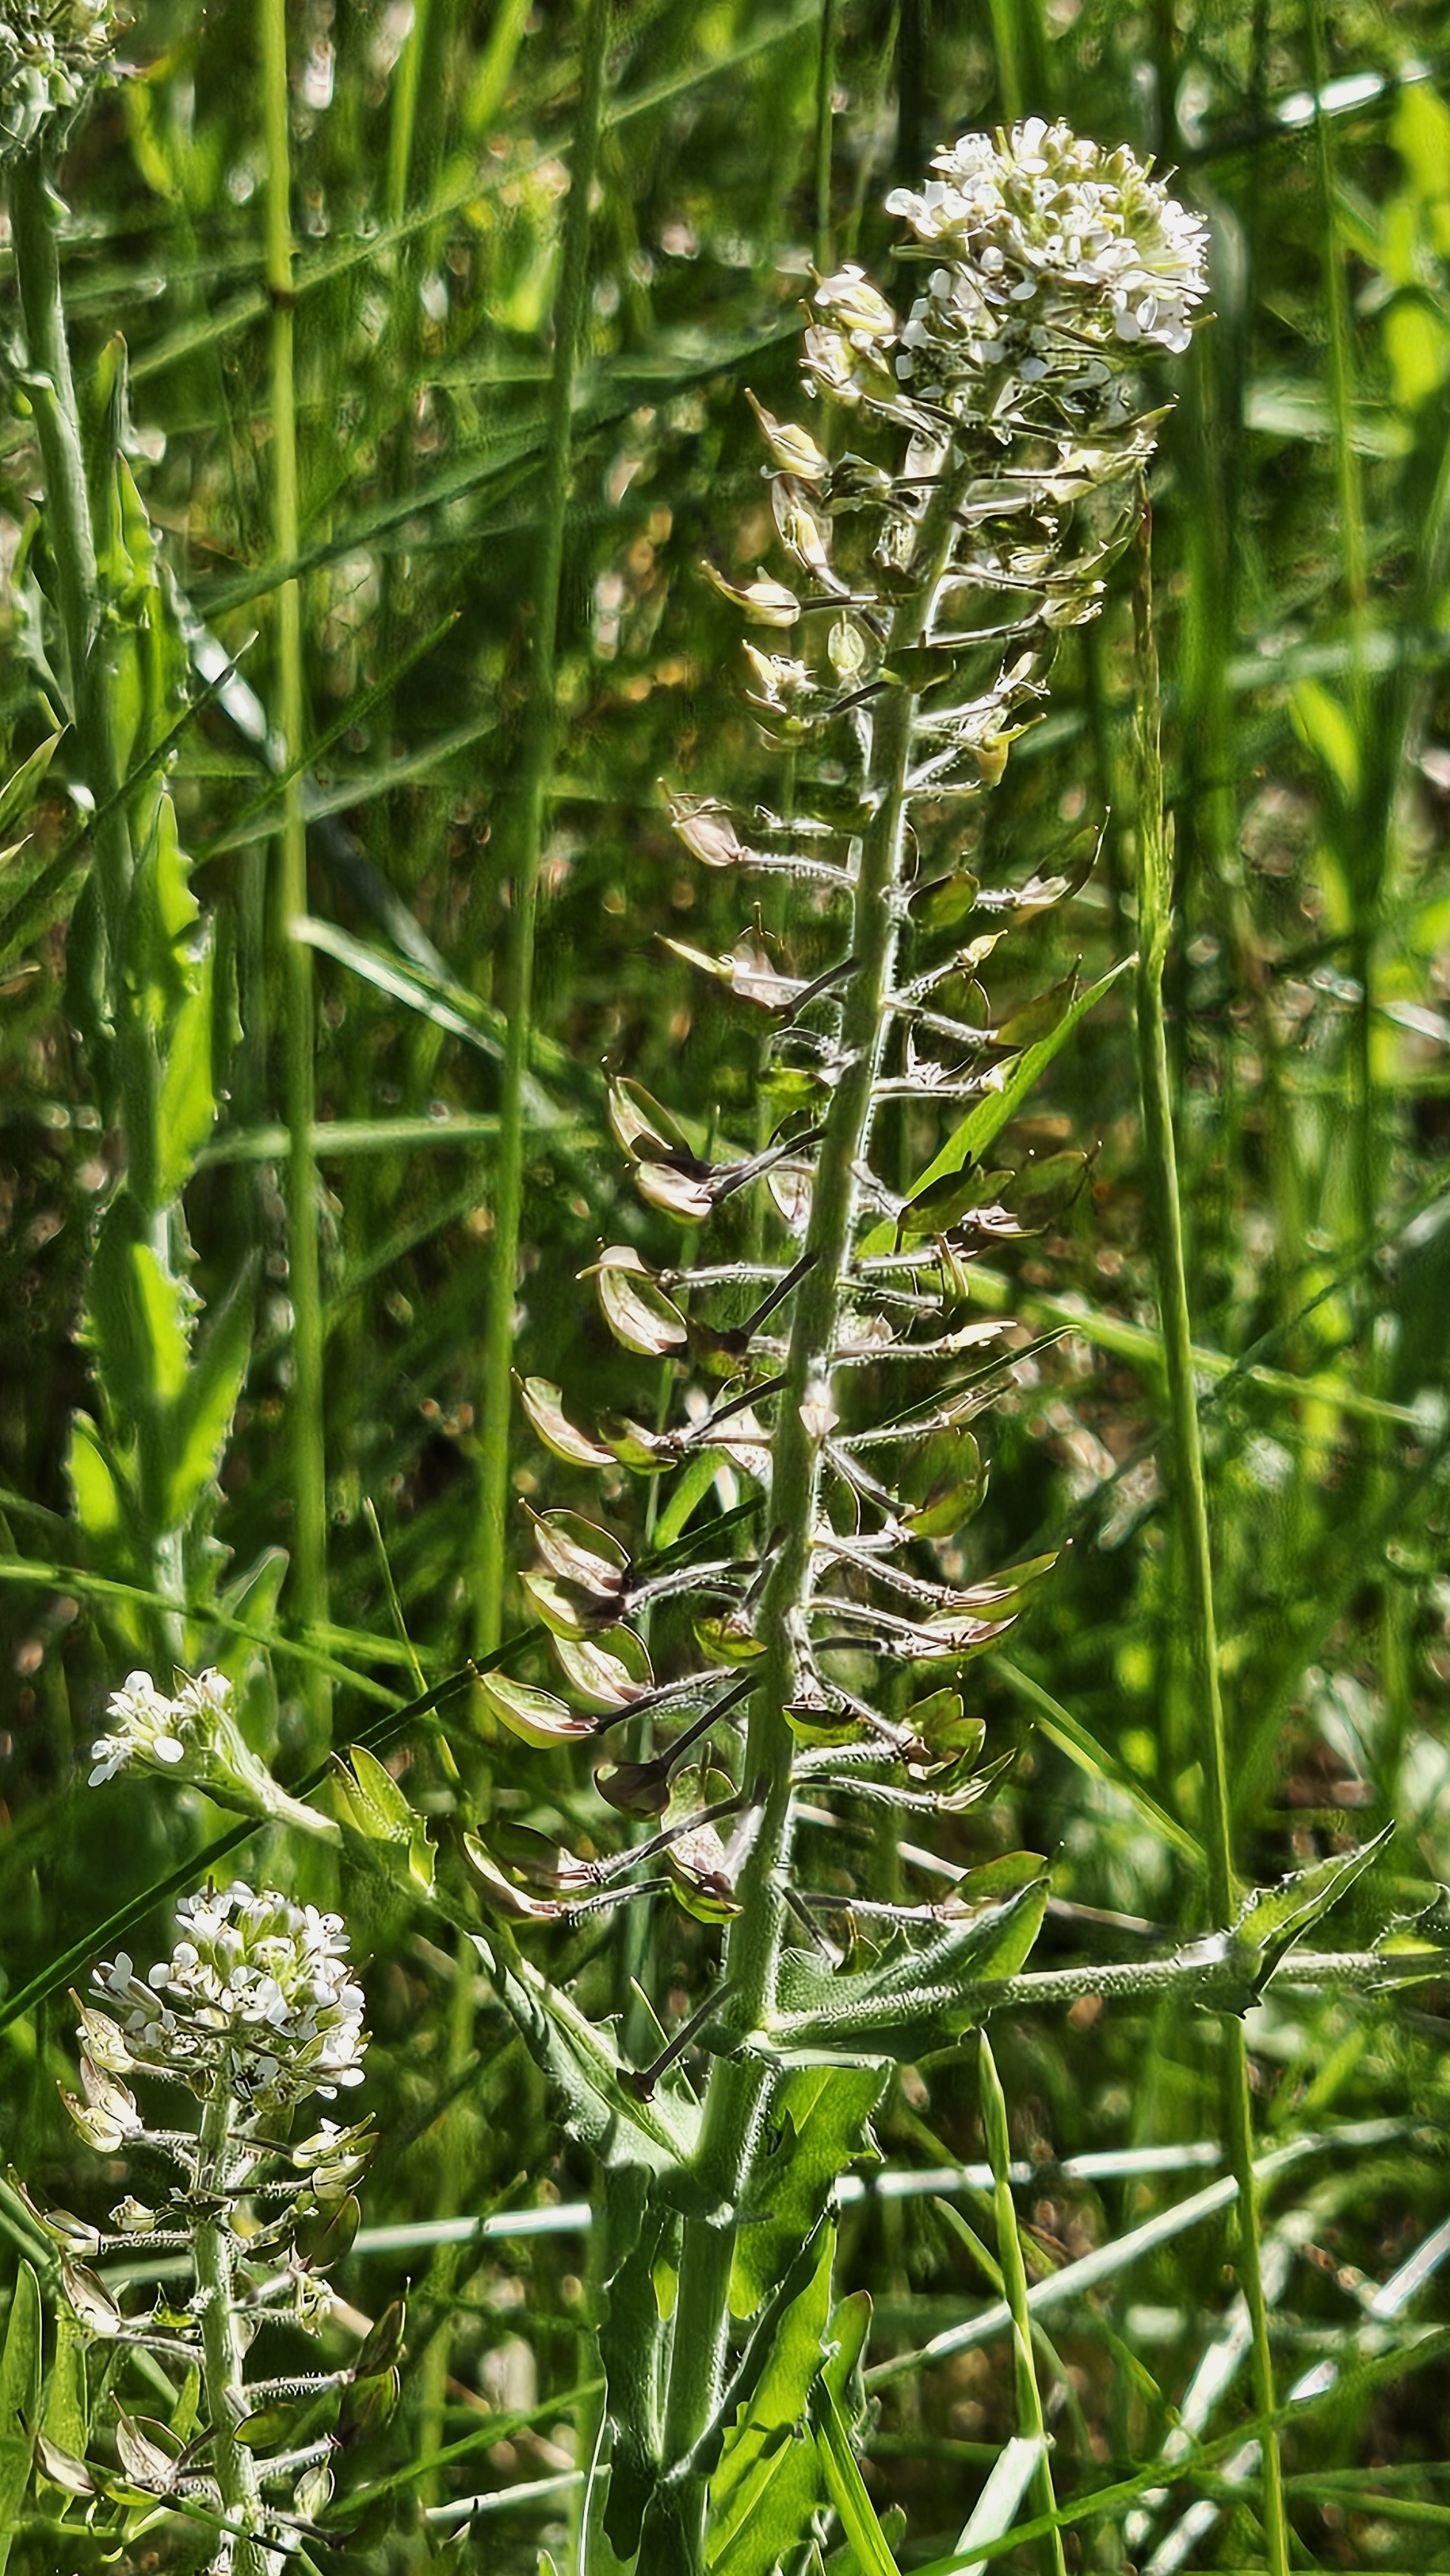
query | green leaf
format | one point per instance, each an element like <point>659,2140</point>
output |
<point>66,2420</point>
<point>1272,1919</point>
<point>767,2484</point>
<point>96,1483</point>
<point>847,2486</point>
<point>818,2126</point>
<point>599,2106</point>
<point>1323,724</point>
<point>201,1418</point>
<point>632,2347</point>
<point>139,1314</point>
<point>918,1995</point>
<point>186,1103</point>
<point>19,2401</point>
<point>21,787</point>
<point>990,1114</point>
<point>375,1807</point>
<point>163,915</point>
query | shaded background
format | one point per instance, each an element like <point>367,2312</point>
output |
<point>1299,510</point>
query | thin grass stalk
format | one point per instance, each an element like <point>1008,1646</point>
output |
<point>673,2539</point>
<point>1155,894</point>
<point>1366,865</point>
<point>536,767</point>
<point>825,93</point>
<point>293,958</point>
<point>1030,2420</point>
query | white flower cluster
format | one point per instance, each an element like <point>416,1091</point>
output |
<point>257,1996</point>
<point>1050,243</point>
<point>50,51</point>
<point>153,1732</point>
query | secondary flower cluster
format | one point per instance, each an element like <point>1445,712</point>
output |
<point>194,1736</point>
<point>50,52</point>
<point>256,1996</point>
<point>1055,256</point>
<point>153,1732</point>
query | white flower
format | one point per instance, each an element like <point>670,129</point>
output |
<point>50,52</point>
<point>150,1730</point>
<point>256,1996</point>
<point>1041,219</point>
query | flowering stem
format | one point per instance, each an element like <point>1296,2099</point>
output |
<point>673,2538</point>
<point>233,2465</point>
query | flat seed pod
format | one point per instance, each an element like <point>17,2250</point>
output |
<point>266,2430</point>
<point>641,1125</point>
<point>567,1612</point>
<point>682,1195</point>
<point>93,2304</point>
<point>534,1716</point>
<point>643,1452</point>
<point>792,449</point>
<point>580,1552</point>
<point>97,2127</point>
<point>765,603</point>
<point>789,1185</point>
<point>943,1203</point>
<point>543,1405</point>
<point>324,2239</point>
<point>144,2460</point>
<point>943,1484</point>
<point>104,2040</point>
<point>945,901</point>
<point>707,831</point>
<point>500,1893</point>
<point>815,1727</point>
<point>634,1788</point>
<point>941,1725</point>
<point>62,2468</point>
<point>383,2344</point>
<point>1011,1583</point>
<point>609,1671</point>
<point>638,1313</point>
<point>748,969</point>
<point>954,1637</point>
<point>727,1641</point>
<point>699,1876</point>
<point>805,535</point>
<point>849,651</point>
<point>69,2231</point>
<point>1041,892</point>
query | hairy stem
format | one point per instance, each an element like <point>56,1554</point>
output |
<point>536,767</point>
<point>233,2465</point>
<point>294,959</point>
<point>1190,1492</point>
<point>673,2540</point>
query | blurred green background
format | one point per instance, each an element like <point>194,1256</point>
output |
<point>1300,550</point>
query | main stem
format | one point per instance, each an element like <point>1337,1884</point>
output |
<point>1191,1496</point>
<point>233,2466</point>
<point>305,1409</point>
<point>674,2530</point>
<point>537,766</point>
